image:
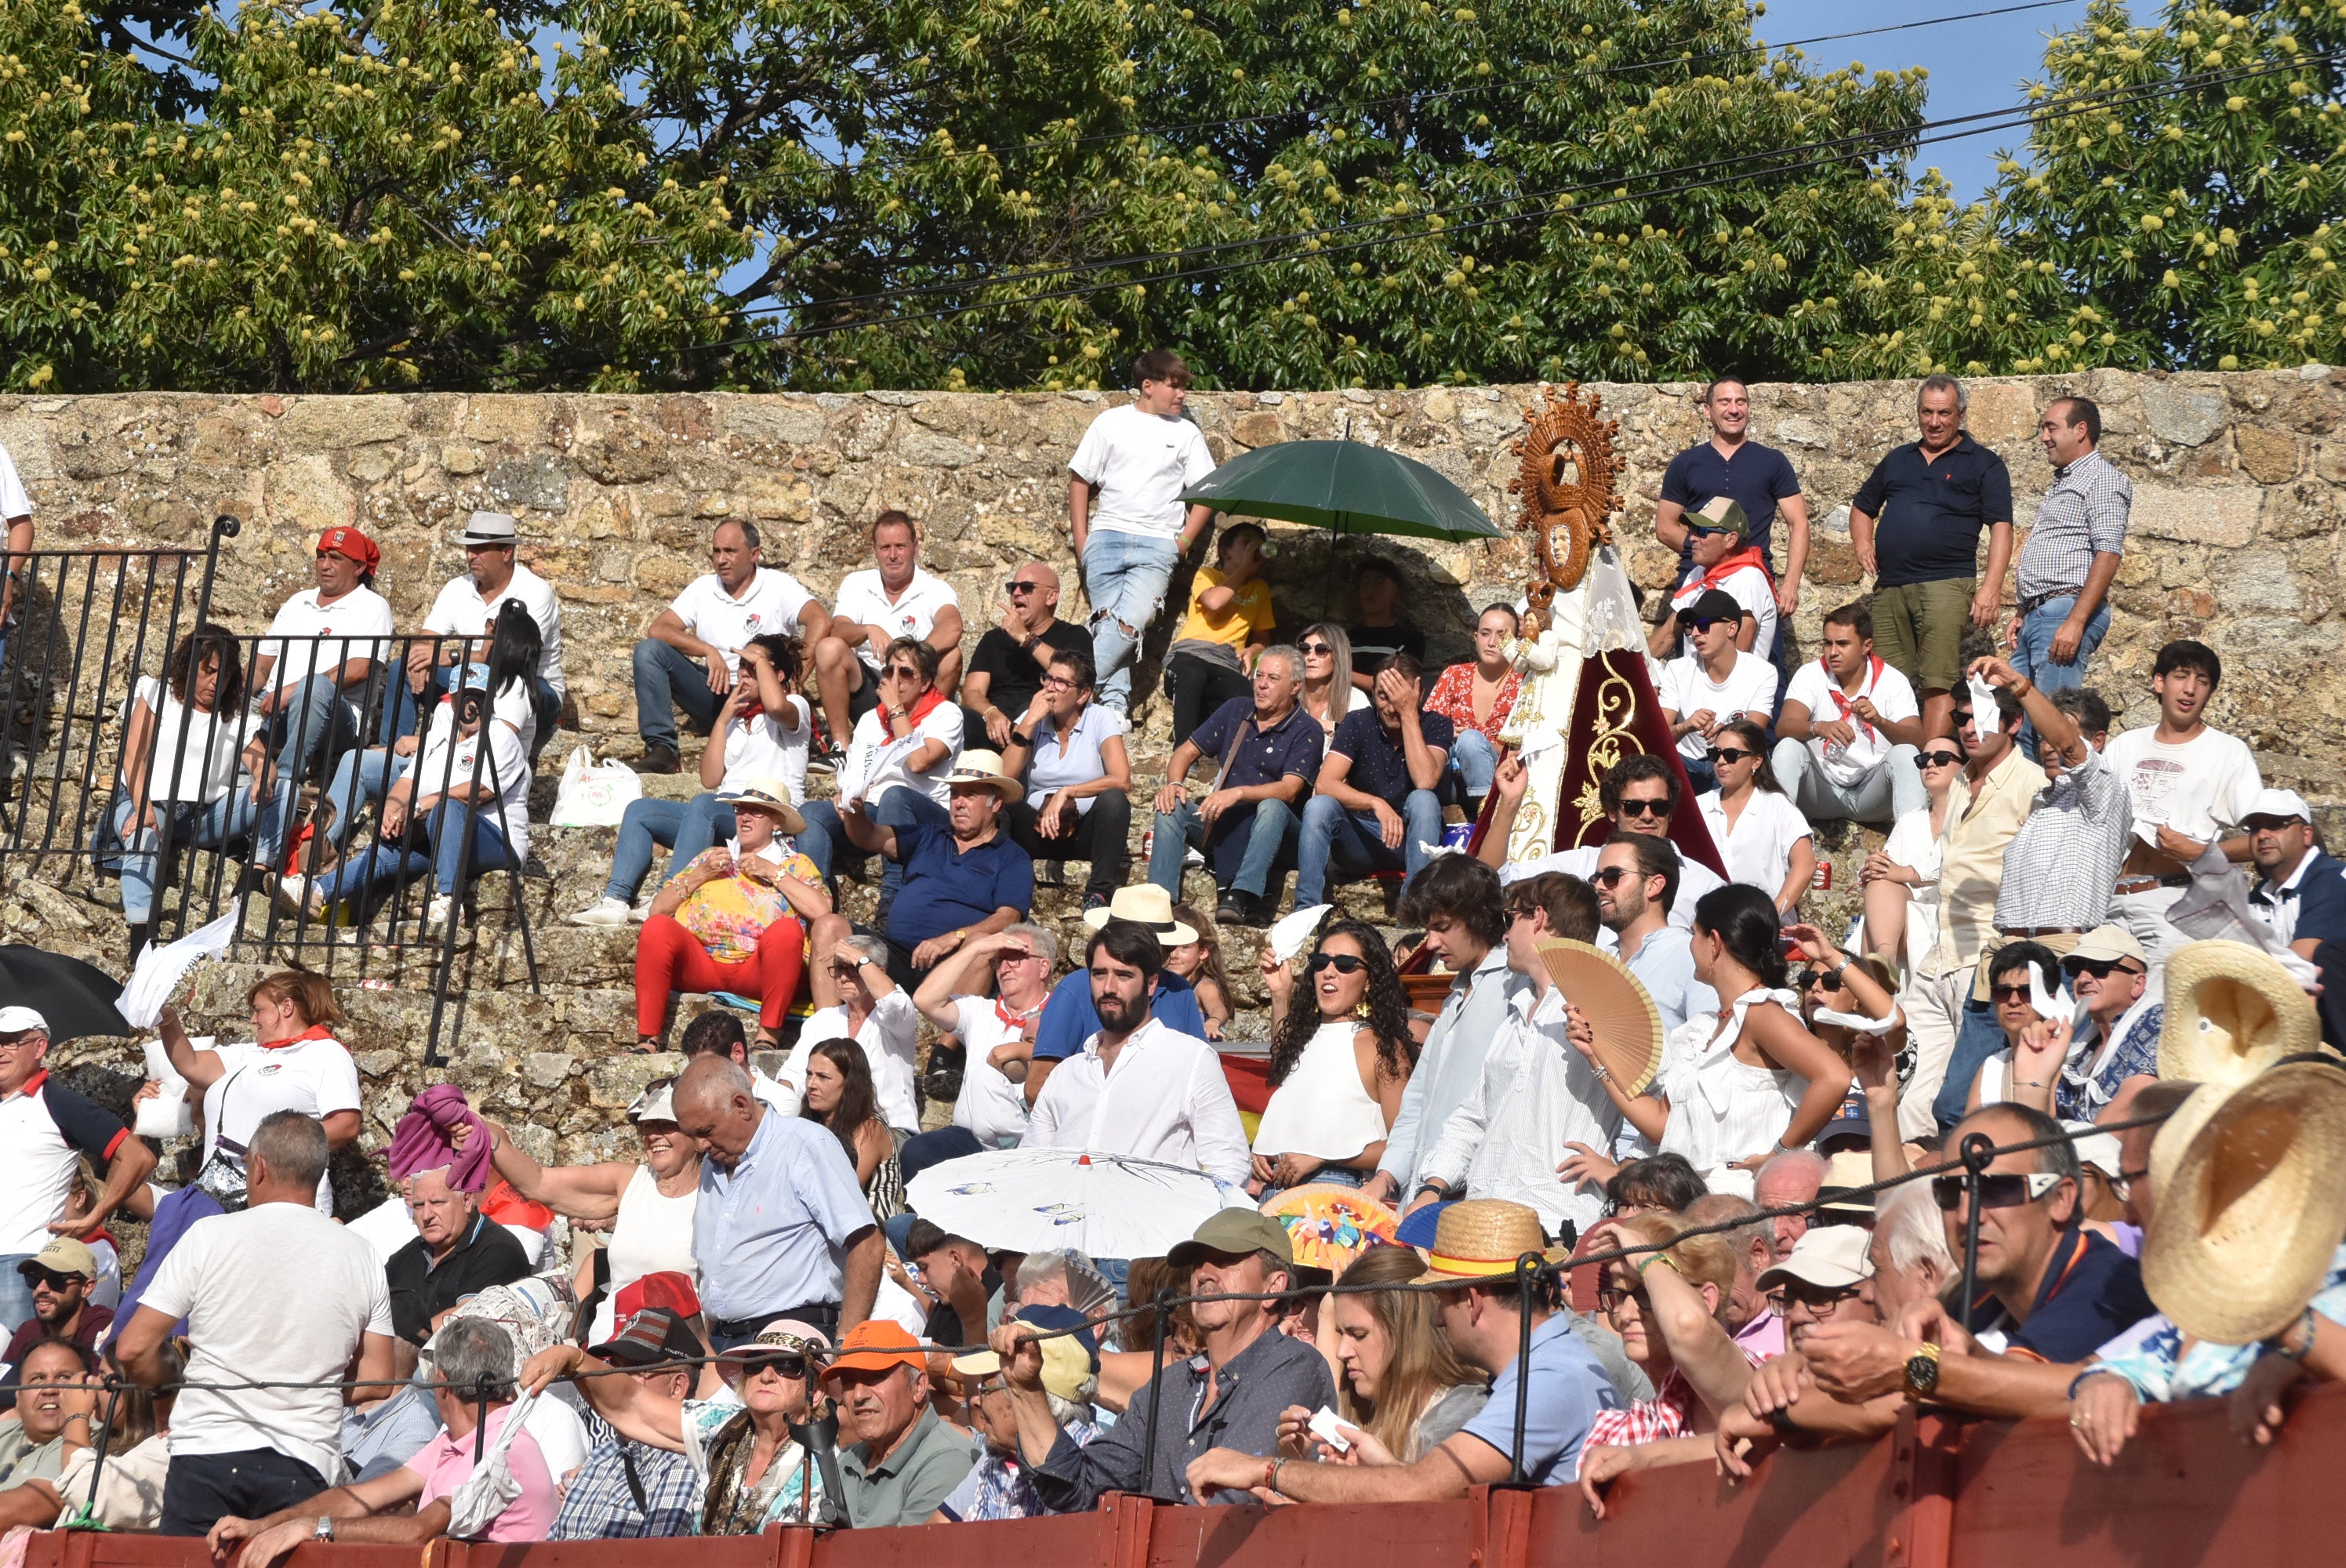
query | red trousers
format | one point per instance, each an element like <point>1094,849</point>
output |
<point>669,958</point>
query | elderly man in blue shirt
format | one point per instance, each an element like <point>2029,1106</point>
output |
<point>781,1229</point>
<point>1267,753</point>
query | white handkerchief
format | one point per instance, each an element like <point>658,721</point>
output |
<point>1858,1020</point>
<point>1539,738</point>
<point>1985,720</point>
<point>160,970</point>
<point>2050,1005</point>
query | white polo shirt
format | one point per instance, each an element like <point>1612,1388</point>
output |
<point>1165,1099</point>
<point>991,1108</point>
<point>1140,463</point>
<point>910,614</point>
<point>1892,696</point>
<point>460,611</point>
<point>363,617</point>
<point>770,603</point>
<point>43,1131</point>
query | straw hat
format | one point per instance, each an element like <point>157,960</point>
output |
<point>985,767</point>
<point>1615,1001</point>
<point>1144,903</point>
<point>2250,1209</point>
<point>2232,1012</point>
<point>1480,1238</point>
<point>770,796</point>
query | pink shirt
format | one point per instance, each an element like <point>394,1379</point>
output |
<point>1762,1338</point>
<point>445,1463</point>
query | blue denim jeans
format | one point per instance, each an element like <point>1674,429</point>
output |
<point>1333,837</point>
<point>315,723</point>
<point>2032,653</point>
<point>667,681</point>
<point>207,827</point>
<point>16,1292</point>
<point>1243,849</point>
<point>1126,575</point>
<point>1979,1038</point>
<point>825,840</point>
<point>1475,760</point>
<point>449,823</point>
<point>683,827</point>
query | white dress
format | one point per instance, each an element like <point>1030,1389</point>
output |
<point>1914,844</point>
<point>1723,1110</point>
<point>1322,1109</point>
<point>651,1235</point>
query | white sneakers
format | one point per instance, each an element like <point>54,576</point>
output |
<point>610,912</point>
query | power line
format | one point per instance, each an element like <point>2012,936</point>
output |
<point>1841,149</point>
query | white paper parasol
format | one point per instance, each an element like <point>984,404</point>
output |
<point>1102,1205</point>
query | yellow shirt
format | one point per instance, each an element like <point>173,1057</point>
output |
<point>1247,618</point>
<point>1980,823</point>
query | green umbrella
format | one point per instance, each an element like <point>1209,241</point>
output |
<point>1347,487</point>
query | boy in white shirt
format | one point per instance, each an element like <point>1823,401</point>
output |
<point>709,622</point>
<point>2190,786</point>
<point>1718,681</point>
<point>896,599</point>
<point>1124,508</point>
<point>1718,538</point>
<point>1850,730</point>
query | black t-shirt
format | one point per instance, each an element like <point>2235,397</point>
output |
<point>1927,517</point>
<point>487,1256</point>
<point>1012,678</point>
<point>1371,646</point>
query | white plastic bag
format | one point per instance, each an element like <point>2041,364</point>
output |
<point>594,794</point>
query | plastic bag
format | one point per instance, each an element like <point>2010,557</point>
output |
<point>594,794</point>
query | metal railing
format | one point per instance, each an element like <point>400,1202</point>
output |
<point>139,747</point>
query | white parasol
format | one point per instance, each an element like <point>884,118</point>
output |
<point>1102,1205</point>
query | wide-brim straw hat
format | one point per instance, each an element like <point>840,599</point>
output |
<point>1144,903</point>
<point>767,795</point>
<point>1618,1008</point>
<point>2232,1012</point>
<point>1481,1239</point>
<point>2250,1209</point>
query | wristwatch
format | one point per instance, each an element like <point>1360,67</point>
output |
<point>325,1530</point>
<point>1923,1371</point>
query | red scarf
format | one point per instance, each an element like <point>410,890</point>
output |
<point>927,705</point>
<point>1832,687</point>
<point>1734,561</point>
<point>315,1032</point>
<point>1016,1022</point>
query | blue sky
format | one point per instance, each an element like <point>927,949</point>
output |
<point>1973,65</point>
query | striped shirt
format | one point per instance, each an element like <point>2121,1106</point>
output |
<point>2061,865</point>
<point>2084,515</point>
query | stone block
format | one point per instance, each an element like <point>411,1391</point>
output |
<point>927,451</point>
<point>2186,416</point>
<point>2203,514</point>
<point>314,422</point>
<point>2269,456</point>
<point>1257,429</point>
<point>770,421</point>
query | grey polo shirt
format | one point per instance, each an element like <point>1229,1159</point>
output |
<point>906,1487</point>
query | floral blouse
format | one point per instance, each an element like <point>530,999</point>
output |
<point>2151,1356</point>
<point>1453,697</point>
<point>728,913</point>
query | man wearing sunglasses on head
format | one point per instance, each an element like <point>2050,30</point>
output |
<point>1639,796</point>
<point>2052,1293</point>
<point>1007,668</point>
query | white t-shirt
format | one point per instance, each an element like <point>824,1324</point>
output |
<point>1759,851</point>
<point>1747,586</point>
<point>560,1436</point>
<point>449,761</point>
<point>889,1034</point>
<point>761,748</point>
<point>1892,696</point>
<point>1686,688</point>
<point>992,1108</point>
<point>211,753</point>
<point>912,613</point>
<point>2201,789</point>
<point>315,1077</point>
<point>13,502</point>
<point>460,611</point>
<point>511,707</point>
<point>875,761</point>
<point>1140,463</point>
<point>769,603</point>
<point>361,617</point>
<point>276,1293</point>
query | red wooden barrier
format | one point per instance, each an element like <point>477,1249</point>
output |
<point>1937,1493</point>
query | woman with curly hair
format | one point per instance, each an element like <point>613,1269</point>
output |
<point>1337,1067</point>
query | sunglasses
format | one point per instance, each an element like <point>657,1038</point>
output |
<point>781,1366</point>
<point>1704,626</point>
<point>1610,1297</point>
<point>1645,808</point>
<point>1818,979</point>
<point>2008,1191</point>
<point>52,1279</point>
<point>1730,754</point>
<point>1940,758</point>
<point>906,671</point>
<point>1609,876</point>
<point>1820,1301</point>
<point>1960,719</point>
<point>2004,993</point>
<point>1317,650</point>
<point>1019,587</point>
<point>1700,532</point>
<point>2099,968</point>
<point>1342,962</point>
<point>2272,824</point>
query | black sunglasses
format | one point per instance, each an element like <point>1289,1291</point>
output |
<point>1700,532</point>
<point>1015,587</point>
<point>1940,758</point>
<point>1342,962</point>
<point>2004,1191</point>
<point>1610,1297</point>
<point>1315,650</point>
<point>1704,625</point>
<point>1961,721</point>
<point>2099,968</point>
<point>1731,754</point>
<point>1812,979</point>
<point>1606,876</point>
<point>782,1366</point>
<point>2003,994</point>
<point>906,671</point>
<point>52,1279</point>
<point>1821,1301</point>
<point>1645,808</point>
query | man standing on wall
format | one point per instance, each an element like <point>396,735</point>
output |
<point>1124,504</point>
<point>2073,551</point>
<point>1760,478</point>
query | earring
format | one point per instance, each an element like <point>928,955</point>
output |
<point>1362,1011</point>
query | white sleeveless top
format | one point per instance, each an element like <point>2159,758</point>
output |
<point>652,1235</point>
<point>1322,1109</point>
<point>1723,1110</point>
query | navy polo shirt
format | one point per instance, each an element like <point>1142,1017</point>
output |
<point>2320,896</point>
<point>1380,766</point>
<point>1266,756</point>
<point>947,888</point>
<point>1927,517</point>
<point>1757,477</point>
<point>2091,1293</point>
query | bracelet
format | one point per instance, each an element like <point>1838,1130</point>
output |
<point>2093,1372</point>
<point>1658,1258</point>
<point>1270,1474</point>
<point>1596,1069</point>
<point>1018,739</point>
<point>2281,1348</point>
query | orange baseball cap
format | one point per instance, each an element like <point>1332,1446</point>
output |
<point>876,1345</point>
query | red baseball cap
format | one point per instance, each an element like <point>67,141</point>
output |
<point>668,1288</point>
<point>352,543</point>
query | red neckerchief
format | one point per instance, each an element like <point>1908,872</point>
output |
<point>315,1032</point>
<point>1016,1021</point>
<point>1832,686</point>
<point>928,704</point>
<point>1750,555</point>
<point>101,1234</point>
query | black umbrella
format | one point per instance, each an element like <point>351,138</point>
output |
<point>75,998</point>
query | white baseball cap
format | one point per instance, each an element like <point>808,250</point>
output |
<point>19,1020</point>
<point>2280,803</point>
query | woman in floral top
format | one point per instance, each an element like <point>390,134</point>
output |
<point>733,920</point>
<point>1477,698</point>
